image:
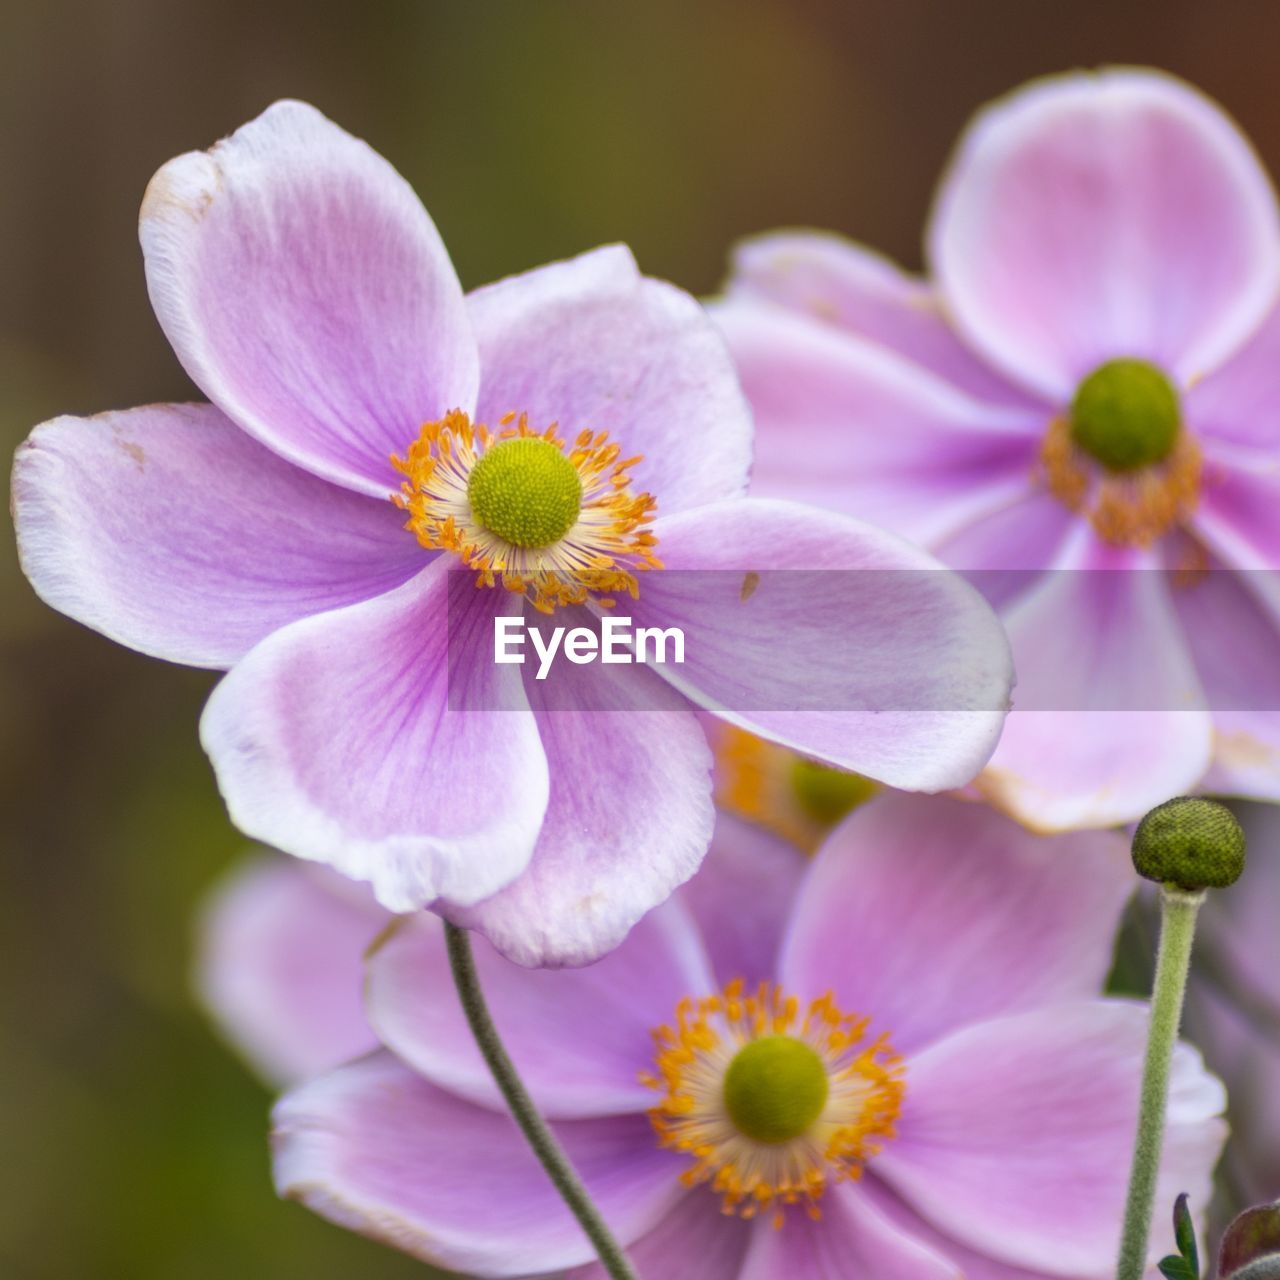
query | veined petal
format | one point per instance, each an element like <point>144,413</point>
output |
<point>375,1148</point>
<point>905,877</point>
<point>171,531</point>
<point>844,284</point>
<point>846,423</point>
<point>870,655</point>
<point>628,821</point>
<point>280,962</point>
<point>742,899</point>
<point>307,292</point>
<point>335,740</point>
<point>1109,717</point>
<point>593,345</point>
<point>695,1241</point>
<point>1090,216</point>
<point>852,1238</point>
<point>579,1038</point>
<point>1016,1134</point>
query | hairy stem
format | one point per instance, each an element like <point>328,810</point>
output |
<point>1178,909</point>
<point>535,1129</point>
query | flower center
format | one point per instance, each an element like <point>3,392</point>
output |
<point>771,1104</point>
<point>555,523</point>
<point>775,1089</point>
<point>827,794</point>
<point>1120,456</point>
<point>525,491</point>
<point>1126,415</point>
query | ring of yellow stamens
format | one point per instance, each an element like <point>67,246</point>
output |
<point>715,1068</point>
<point>554,523</point>
<point>1121,458</point>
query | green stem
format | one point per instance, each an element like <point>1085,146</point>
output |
<point>1178,909</point>
<point>550,1154</point>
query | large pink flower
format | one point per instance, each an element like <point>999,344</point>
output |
<point>975,1099</point>
<point>1088,382</point>
<point>307,293</point>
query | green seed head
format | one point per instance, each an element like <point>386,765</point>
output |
<point>526,491</point>
<point>775,1089</point>
<point>1126,415</point>
<point>1191,843</point>
<point>827,794</point>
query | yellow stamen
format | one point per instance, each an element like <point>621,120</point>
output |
<point>865,1088</point>
<point>770,785</point>
<point>601,551</point>
<point>1126,508</point>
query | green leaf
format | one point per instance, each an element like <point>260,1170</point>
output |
<point>1176,1267</point>
<point>1184,1232</point>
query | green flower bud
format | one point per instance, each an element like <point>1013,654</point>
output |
<point>1191,843</point>
<point>1126,415</point>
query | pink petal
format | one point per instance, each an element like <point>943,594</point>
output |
<point>593,345</point>
<point>928,914</point>
<point>895,673</point>
<point>336,740</point>
<point>307,293</point>
<point>849,424</point>
<point>375,1148</point>
<point>852,1238</point>
<point>1234,639</point>
<point>1090,216</point>
<point>170,530</point>
<point>1109,716</point>
<point>742,899</point>
<point>580,1038</point>
<point>695,1241</point>
<point>825,277</point>
<point>1016,1135</point>
<point>1240,402</point>
<point>280,965</point>
<point>629,818</point>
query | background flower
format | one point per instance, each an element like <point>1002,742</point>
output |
<point>1108,231</point>
<point>1011,1145</point>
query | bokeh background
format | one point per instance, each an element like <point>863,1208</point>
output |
<point>132,1143</point>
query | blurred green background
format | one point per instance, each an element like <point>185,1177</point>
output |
<point>132,1143</point>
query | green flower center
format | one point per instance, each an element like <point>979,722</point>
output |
<point>1126,415</point>
<point>775,1088</point>
<point>827,794</point>
<point>525,491</point>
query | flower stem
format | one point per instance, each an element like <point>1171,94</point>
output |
<point>1178,909</point>
<point>538,1133</point>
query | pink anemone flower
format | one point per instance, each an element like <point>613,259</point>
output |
<point>890,1060</point>
<point>549,437</point>
<point>1087,382</point>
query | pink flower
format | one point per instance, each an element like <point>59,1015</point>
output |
<point>307,293</point>
<point>954,1097</point>
<point>1087,382</point>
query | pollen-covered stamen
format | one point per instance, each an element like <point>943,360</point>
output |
<point>1120,456</point>
<point>526,511</point>
<point>771,1104</point>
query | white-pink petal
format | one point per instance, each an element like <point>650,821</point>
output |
<point>170,530</point>
<point>1104,214</point>
<point>336,740</point>
<point>592,345</point>
<point>308,294</point>
<point>279,964</point>
<point>928,914</point>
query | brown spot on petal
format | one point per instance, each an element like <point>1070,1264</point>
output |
<point>750,582</point>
